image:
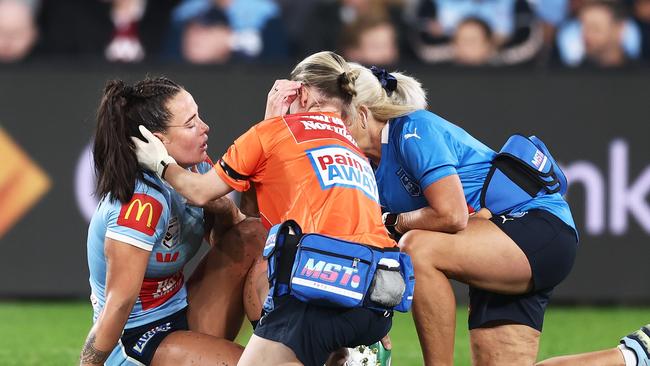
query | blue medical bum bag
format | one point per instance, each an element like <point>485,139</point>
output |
<point>522,170</point>
<point>332,272</point>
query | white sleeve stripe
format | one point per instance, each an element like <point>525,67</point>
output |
<point>129,240</point>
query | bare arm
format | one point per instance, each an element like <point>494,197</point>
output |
<point>446,212</point>
<point>199,189</point>
<point>248,203</point>
<point>125,268</point>
<point>220,215</point>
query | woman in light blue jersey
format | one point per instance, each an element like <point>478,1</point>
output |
<point>143,233</point>
<point>430,174</point>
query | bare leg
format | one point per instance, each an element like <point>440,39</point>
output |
<point>215,290</point>
<point>260,351</point>
<point>338,357</point>
<point>609,357</point>
<point>255,289</point>
<point>191,348</point>
<point>504,345</point>
<point>481,255</point>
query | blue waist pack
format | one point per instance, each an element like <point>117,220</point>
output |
<point>332,272</point>
<point>523,169</point>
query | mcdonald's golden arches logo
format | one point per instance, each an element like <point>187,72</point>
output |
<point>141,213</point>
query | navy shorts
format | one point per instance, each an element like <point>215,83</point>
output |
<point>550,246</point>
<point>140,343</point>
<point>313,332</point>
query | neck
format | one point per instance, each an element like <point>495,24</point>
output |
<point>373,150</point>
<point>324,108</point>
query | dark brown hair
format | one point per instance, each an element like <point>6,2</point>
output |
<point>122,108</point>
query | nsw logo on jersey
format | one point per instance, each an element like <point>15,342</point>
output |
<point>141,213</point>
<point>337,166</point>
<point>172,234</point>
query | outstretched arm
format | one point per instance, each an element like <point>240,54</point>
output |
<point>199,189</point>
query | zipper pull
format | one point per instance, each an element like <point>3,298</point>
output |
<point>355,261</point>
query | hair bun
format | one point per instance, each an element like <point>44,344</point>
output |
<point>346,83</point>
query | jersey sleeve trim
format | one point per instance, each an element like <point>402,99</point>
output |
<point>129,240</point>
<point>435,175</point>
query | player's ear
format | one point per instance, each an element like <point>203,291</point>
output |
<point>162,137</point>
<point>303,96</point>
<point>363,116</point>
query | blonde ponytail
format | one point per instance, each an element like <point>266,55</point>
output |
<point>407,97</point>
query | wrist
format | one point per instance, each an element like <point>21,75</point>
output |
<point>164,164</point>
<point>391,221</point>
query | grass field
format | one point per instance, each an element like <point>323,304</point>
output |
<point>41,333</point>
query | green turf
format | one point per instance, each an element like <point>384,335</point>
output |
<point>52,333</point>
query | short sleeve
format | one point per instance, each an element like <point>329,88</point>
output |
<point>242,161</point>
<point>426,152</point>
<point>141,222</point>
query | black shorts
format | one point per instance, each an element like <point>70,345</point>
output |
<point>313,332</point>
<point>550,246</point>
<point>141,342</point>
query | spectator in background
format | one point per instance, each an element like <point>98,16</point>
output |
<point>370,41</point>
<point>18,31</point>
<point>505,31</point>
<point>601,35</point>
<point>206,39</point>
<point>642,17</point>
<point>602,29</point>
<point>114,30</point>
<point>330,19</point>
<point>241,29</point>
<point>439,19</point>
<point>473,44</point>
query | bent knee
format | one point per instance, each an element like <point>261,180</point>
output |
<point>427,249</point>
<point>250,232</point>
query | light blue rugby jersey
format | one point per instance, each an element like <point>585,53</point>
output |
<point>172,232</point>
<point>421,148</point>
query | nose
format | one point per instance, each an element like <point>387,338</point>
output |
<point>204,126</point>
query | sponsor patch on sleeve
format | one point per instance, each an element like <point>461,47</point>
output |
<point>141,213</point>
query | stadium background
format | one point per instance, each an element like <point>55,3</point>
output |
<point>595,121</point>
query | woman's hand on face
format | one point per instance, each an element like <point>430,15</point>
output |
<point>280,97</point>
<point>152,154</point>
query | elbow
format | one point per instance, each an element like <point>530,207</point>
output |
<point>199,198</point>
<point>457,221</point>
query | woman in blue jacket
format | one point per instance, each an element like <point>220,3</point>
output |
<point>430,174</point>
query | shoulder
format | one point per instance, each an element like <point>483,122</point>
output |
<point>269,125</point>
<point>417,125</point>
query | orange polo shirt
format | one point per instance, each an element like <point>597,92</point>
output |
<point>308,168</point>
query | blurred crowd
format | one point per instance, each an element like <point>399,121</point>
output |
<point>571,33</point>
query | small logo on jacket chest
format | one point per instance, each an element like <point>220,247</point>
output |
<point>411,186</point>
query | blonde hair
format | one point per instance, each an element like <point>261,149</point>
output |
<point>331,75</point>
<point>408,97</point>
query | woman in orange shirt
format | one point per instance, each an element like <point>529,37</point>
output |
<point>305,167</point>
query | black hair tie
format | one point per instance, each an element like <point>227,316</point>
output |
<point>387,81</point>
